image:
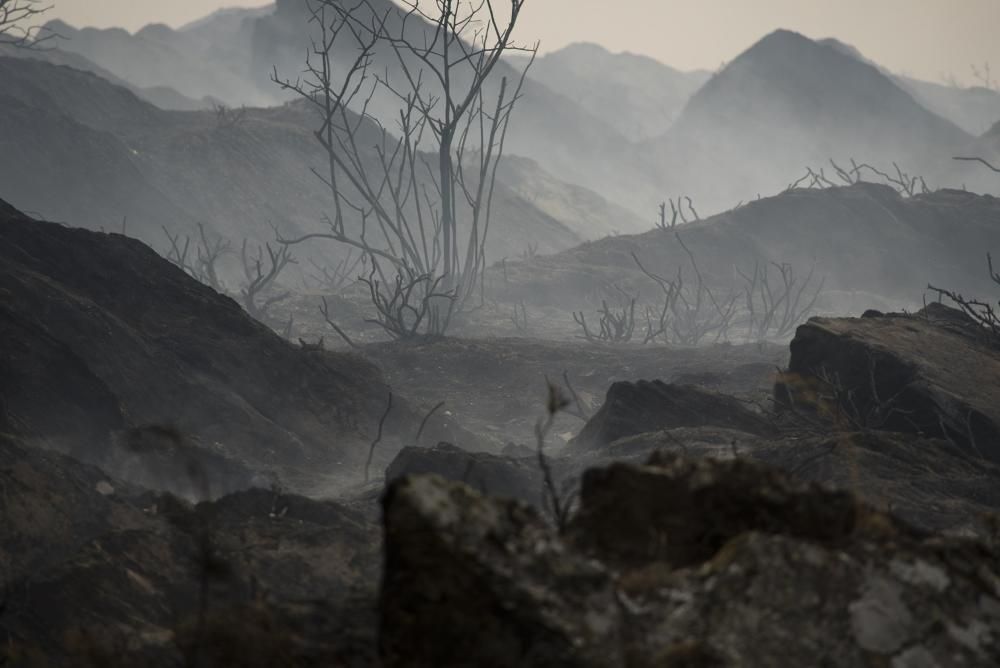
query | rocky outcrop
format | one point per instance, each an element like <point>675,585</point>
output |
<point>474,582</point>
<point>933,373</point>
<point>681,512</point>
<point>648,406</point>
<point>679,563</point>
<point>930,483</point>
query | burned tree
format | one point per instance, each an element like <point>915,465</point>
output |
<point>229,118</point>
<point>982,312</point>
<point>903,182</point>
<point>261,274</point>
<point>775,307</point>
<point>339,276</point>
<point>442,155</point>
<point>690,312</point>
<point>676,211</point>
<point>409,305</point>
<point>207,256</point>
<point>614,325</point>
<point>984,77</point>
<point>519,317</point>
<point>203,267</point>
<point>985,162</point>
<point>179,251</point>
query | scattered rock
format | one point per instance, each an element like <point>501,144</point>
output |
<point>930,374</point>
<point>644,406</point>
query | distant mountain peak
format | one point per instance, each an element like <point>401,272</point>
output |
<point>154,30</point>
<point>785,43</point>
<point>822,75</point>
<point>228,12</point>
<point>583,47</point>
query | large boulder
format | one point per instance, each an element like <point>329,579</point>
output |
<point>471,581</point>
<point>930,483</point>
<point>733,564</point>
<point>680,512</point>
<point>680,563</point>
<point>648,406</point>
<point>933,373</point>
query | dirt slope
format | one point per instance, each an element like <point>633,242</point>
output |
<point>102,337</point>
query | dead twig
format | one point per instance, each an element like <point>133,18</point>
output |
<point>378,437</point>
<point>427,417</point>
<point>980,160</point>
<point>552,499</point>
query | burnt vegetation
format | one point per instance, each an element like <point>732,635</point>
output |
<point>423,369</point>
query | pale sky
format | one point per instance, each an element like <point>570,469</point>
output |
<point>924,38</point>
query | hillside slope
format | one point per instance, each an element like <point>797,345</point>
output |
<point>974,109</point>
<point>107,350</point>
<point>230,56</point>
<point>94,153</point>
<point>873,247</point>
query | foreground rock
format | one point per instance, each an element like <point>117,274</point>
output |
<point>930,483</point>
<point>932,373</point>
<point>679,563</point>
<point>644,406</point>
<point>114,355</point>
<point>474,582</point>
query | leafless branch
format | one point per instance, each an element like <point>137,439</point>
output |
<point>579,411</point>
<point>773,311</point>
<point>337,277</point>
<point>261,276</point>
<point>981,160</point>
<point>520,317</point>
<point>378,437</point>
<point>18,24</point>
<point>228,118</point>
<point>410,304</point>
<point>427,417</point>
<point>408,199</point>
<point>552,499</point>
<point>324,309</point>
<point>615,325</point>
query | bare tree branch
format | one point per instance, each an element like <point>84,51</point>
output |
<point>261,276</point>
<point>995,169</point>
<point>378,436</point>
<point>407,199</point>
<point>18,24</point>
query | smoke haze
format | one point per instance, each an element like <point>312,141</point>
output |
<point>931,39</point>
